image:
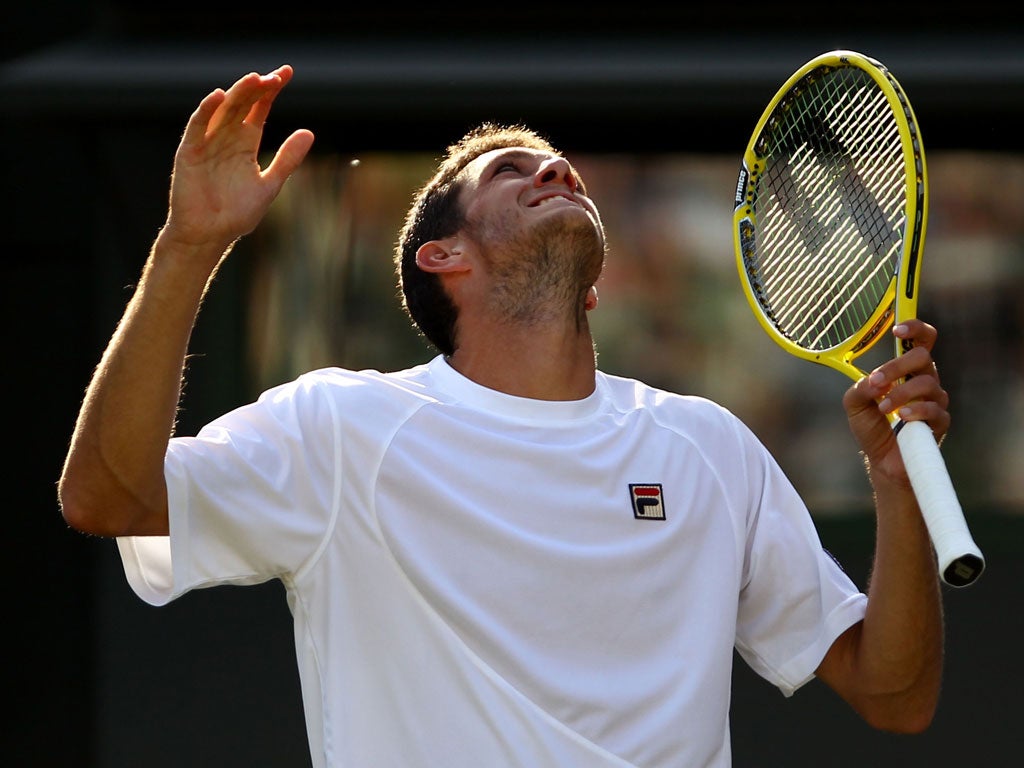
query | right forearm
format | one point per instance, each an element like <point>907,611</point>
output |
<point>113,482</point>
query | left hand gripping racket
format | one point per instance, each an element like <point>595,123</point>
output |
<point>828,226</point>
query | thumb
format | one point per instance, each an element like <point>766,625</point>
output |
<point>289,156</point>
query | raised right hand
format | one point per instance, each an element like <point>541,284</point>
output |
<point>219,192</point>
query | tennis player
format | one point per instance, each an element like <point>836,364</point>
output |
<point>502,557</point>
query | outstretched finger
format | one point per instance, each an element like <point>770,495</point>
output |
<point>199,122</point>
<point>257,115</point>
<point>917,341</point>
<point>240,98</point>
<point>916,333</point>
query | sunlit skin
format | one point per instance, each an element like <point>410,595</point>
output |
<point>522,274</point>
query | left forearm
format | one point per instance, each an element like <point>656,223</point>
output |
<point>889,666</point>
<point>900,652</point>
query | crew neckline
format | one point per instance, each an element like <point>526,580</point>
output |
<point>468,392</point>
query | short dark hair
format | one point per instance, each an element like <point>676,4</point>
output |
<point>437,213</point>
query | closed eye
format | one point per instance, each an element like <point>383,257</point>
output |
<point>506,167</point>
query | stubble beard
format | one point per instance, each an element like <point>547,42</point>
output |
<point>543,276</point>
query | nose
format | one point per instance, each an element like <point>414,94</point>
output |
<point>555,170</point>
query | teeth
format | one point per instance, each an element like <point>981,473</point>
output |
<point>547,200</point>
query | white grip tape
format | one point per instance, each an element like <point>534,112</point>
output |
<point>959,559</point>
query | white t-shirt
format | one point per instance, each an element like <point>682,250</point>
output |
<point>480,580</point>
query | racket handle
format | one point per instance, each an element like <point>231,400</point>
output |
<point>960,561</point>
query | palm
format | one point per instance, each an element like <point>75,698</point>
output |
<point>219,192</point>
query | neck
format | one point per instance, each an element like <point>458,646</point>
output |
<point>542,364</point>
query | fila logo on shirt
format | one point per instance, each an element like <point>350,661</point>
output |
<point>648,502</point>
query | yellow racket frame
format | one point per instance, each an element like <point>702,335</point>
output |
<point>959,559</point>
<point>900,298</point>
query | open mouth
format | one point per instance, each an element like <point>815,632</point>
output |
<point>551,198</point>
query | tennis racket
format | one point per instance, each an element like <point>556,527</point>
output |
<point>829,226</point>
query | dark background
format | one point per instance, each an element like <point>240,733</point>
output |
<point>94,98</point>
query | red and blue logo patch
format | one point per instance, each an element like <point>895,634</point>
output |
<point>648,501</point>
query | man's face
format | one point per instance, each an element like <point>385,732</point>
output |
<point>519,188</point>
<point>530,201</point>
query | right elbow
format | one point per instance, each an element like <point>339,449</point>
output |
<point>95,501</point>
<point>88,512</point>
<point>78,512</point>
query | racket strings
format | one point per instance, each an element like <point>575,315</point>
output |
<point>831,208</point>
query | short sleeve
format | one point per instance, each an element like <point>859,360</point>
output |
<point>251,497</point>
<point>796,598</point>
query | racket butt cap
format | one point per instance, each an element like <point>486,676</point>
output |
<point>963,571</point>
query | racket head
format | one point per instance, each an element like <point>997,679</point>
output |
<point>828,221</point>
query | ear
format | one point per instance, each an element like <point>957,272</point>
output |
<point>441,256</point>
<point>591,301</point>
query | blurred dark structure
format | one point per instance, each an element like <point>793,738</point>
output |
<point>94,96</point>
